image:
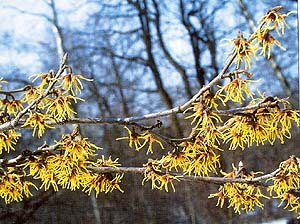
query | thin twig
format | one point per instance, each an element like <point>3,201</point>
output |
<point>247,108</point>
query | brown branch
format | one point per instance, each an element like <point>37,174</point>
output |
<point>135,170</point>
<point>20,90</point>
<point>215,180</point>
<point>132,120</point>
<point>45,149</point>
<point>250,107</point>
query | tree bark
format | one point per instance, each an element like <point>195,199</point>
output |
<point>141,7</point>
<point>194,38</point>
<point>168,55</point>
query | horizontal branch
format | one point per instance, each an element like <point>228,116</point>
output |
<point>135,170</point>
<point>216,180</point>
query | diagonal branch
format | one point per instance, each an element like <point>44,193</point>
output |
<point>13,123</point>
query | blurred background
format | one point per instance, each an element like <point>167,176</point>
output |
<point>144,56</point>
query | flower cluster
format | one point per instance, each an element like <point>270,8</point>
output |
<point>259,126</point>
<point>273,19</point>
<point>286,184</point>
<point>42,169</point>
<point>76,147</point>
<point>12,106</point>
<point>31,94</point>
<point>194,158</point>
<point>45,103</point>
<point>68,168</point>
<point>245,49</point>
<point>65,164</point>
<point>72,163</point>
<point>9,138</point>
<point>52,102</point>
<point>241,196</point>
<point>61,106</point>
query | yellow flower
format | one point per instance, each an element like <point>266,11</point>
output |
<point>284,118</point>
<point>69,172</point>
<point>244,129</point>
<point>38,121</point>
<point>204,162</point>
<point>61,106</point>
<point>202,116</point>
<point>8,139</point>
<point>201,158</point>
<point>71,82</point>
<point>235,132</point>
<point>286,184</point>
<point>243,50</point>
<point>105,182</point>
<point>175,160</point>
<point>12,106</point>
<point>77,148</point>
<point>107,162</point>
<point>150,139</point>
<point>46,78</point>
<point>273,20</point>
<point>267,40</point>
<point>292,200</point>
<point>134,138</point>
<point>166,180</point>
<point>31,94</point>
<point>209,99</point>
<point>221,195</point>
<point>292,165</point>
<point>235,90</point>
<point>158,179</point>
<point>210,135</point>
